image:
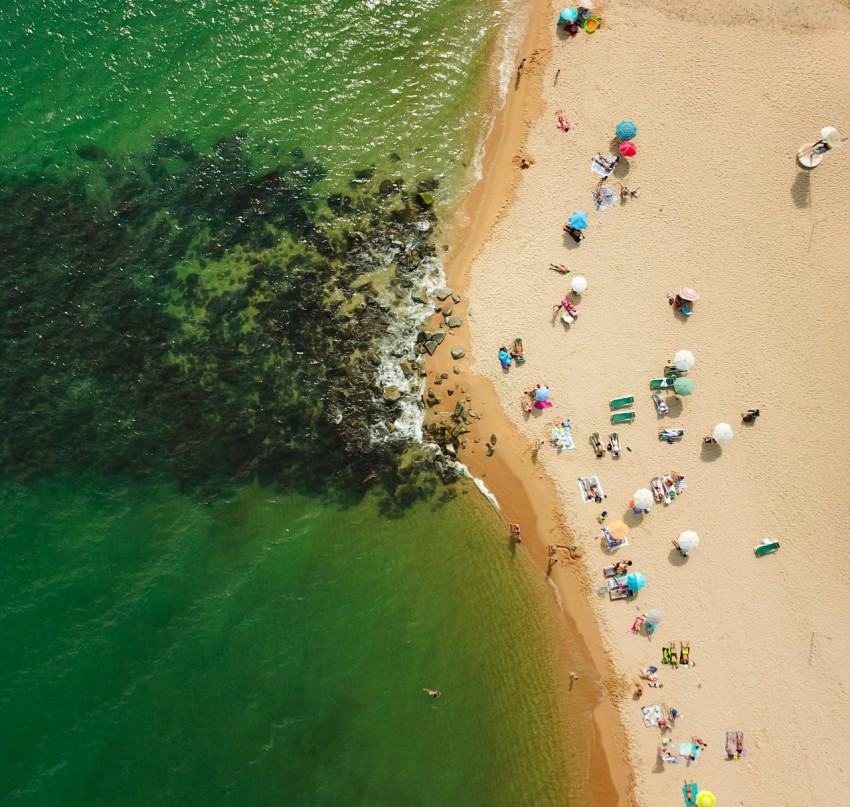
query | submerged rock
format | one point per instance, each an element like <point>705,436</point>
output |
<point>458,353</point>
<point>454,322</point>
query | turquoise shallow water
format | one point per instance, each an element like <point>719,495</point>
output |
<point>200,606</point>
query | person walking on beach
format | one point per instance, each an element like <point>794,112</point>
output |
<point>520,68</point>
<point>515,533</point>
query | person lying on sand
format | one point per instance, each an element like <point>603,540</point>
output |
<point>576,235</point>
<point>593,491</point>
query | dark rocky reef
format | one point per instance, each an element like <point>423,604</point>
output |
<point>186,316</point>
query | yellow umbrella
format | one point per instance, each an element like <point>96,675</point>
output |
<point>705,798</point>
<point>618,529</point>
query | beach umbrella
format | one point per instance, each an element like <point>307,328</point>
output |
<point>579,284</point>
<point>628,149</point>
<point>588,4</point>
<point>653,616</point>
<point>568,15</point>
<point>619,529</point>
<point>643,499</point>
<point>705,798</point>
<point>579,220</point>
<point>723,433</point>
<point>688,541</point>
<point>689,294</point>
<point>542,394</point>
<point>626,130</point>
<point>684,360</point>
<point>832,137</point>
<point>635,581</point>
<point>683,386</point>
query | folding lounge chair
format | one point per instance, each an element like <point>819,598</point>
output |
<point>669,487</point>
<point>665,655</point>
<point>614,444</point>
<point>662,383</point>
<point>658,490</point>
<point>622,403</point>
<point>598,445</point>
<point>618,592</point>
<point>730,744</point>
<point>766,547</point>
<point>660,404</point>
<point>622,417</point>
<point>671,435</point>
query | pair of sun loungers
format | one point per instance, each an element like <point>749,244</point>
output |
<point>666,488</point>
<point>623,403</point>
<point>599,446</point>
<point>735,748</point>
<point>669,655</point>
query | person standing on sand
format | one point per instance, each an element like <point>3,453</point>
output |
<point>520,68</point>
<point>515,532</point>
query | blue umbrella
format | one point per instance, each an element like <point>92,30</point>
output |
<point>579,220</point>
<point>568,15</point>
<point>635,581</point>
<point>542,394</point>
<point>626,130</point>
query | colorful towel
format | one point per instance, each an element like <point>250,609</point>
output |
<point>604,198</point>
<point>591,480</point>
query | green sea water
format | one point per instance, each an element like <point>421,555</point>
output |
<point>198,606</point>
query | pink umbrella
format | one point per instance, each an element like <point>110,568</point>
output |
<point>628,149</point>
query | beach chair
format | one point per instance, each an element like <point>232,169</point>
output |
<point>622,417</point>
<point>609,571</point>
<point>766,547</point>
<point>662,383</point>
<point>730,744</point>
<point>611,542</point>
<point>660,404</point>
<point>617,591</point>
<point>622,403</point>
<point>669,488</point>
<point>671,435</point>
<point>614,444</point>
<point>517,352</point>
<point>658,490</point>
<point>598,445</point>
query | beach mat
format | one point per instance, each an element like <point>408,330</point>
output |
<point>604,198</point>
<point>598,168</point>
<point>652,714</point>
<point>584,495</point>
<point>690,748</point>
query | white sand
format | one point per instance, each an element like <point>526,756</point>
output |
<point>722,102</point>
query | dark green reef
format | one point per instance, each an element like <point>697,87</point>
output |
<point>185,314</point>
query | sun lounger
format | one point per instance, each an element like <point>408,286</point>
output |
<point>665,655</point>
<point>658,490</point>
<point>622,417</point>
<point>671,435</point>
<point>652,714</point>
<point>598,445</point>
<point>672,370</point>
<point>617,591</point>
<point>584,485</point>
<point>610,571</point>
<point>669,488</point>
<point>740,750</point>
<point>662,383</point>
<point>614,444</point>
<point>766,547</point>
<point>730,743</point>
<point>611,542</point>
<point>690,791</point>
<point>660,404</point>
<point>622,403</point>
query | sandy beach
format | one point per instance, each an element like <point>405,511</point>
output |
<point>722,101</point>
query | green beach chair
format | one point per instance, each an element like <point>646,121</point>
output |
<point>622,403</point>
<point>622,417</point>
<point>662,383</point>
<point>766,547</point>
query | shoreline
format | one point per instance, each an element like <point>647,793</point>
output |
<point>511,474</point>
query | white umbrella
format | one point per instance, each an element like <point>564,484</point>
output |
<point>688,541</point>
<point>684,360</point>
<point>832,137</point>
<point>722,433</point>
<point>579,284</point>
<point>643,499</point>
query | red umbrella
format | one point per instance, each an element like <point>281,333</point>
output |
<point>628,149</point>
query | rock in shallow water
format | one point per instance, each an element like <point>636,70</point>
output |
<point>458,352</point>
<point>454,322</point>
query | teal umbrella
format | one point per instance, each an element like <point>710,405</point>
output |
<point>568,15</point>
<point>635,581</point>
<point>683,386</point>
<point>579,220</point>
<point>625,130</point>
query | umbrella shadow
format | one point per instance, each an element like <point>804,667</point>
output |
<point>676,558</point>
<point>630,519</point>
<point>711,452</point>
<point>801,189</point>
<point>621,171</point>
<point>674,406</point>
<point>569,243</point>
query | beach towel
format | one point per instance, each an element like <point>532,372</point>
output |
<point>652,714</point>
<point>689,791</point>
<point>690,748</point>
<point>592,480</point>
<point>604,198</point>
<point>562,438</point>
<point>598,167</point>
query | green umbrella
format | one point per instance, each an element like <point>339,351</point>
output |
<point>683,386</point>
